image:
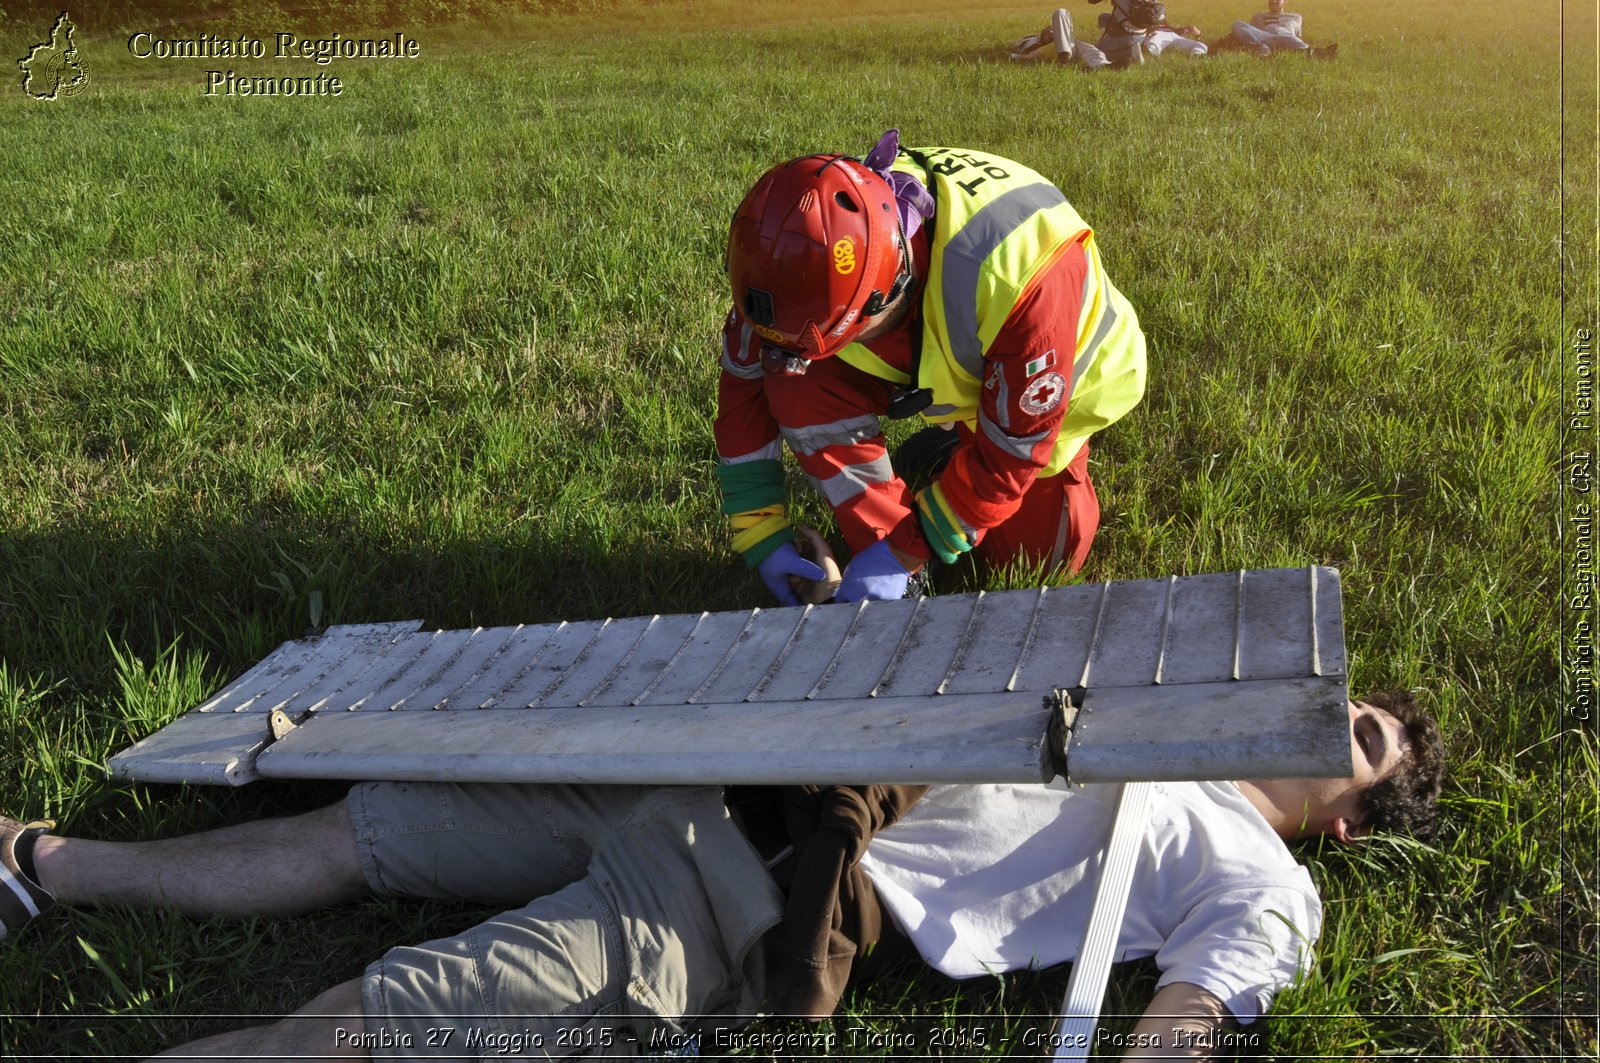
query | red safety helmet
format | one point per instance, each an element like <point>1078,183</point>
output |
<point>812,254</point>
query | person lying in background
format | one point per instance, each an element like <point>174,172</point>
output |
<point>1271,31</point>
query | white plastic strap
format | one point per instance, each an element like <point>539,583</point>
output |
<point>1086,988</point>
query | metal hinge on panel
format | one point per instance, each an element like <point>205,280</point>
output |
<point>1063,705</point>
<point>279,723</point>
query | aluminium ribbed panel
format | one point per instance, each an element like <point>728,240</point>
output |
<point>694,663</point>
<point>547,660</point>
<point>450,684</point>
<point>607,677</point>
<point>930,641</point>
<point>351,650</point>
<point>888,740</point>
<point>440,650</point>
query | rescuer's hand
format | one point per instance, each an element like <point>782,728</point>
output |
<point>873,574</point>
<point>813,547</point>
<point>782,563</point>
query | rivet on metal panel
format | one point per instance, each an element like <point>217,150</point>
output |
<point>733,648</point>
<point>688,640</point>
<point>1094,640</point>
<point>960,655</point>
<point>1027,639</point>
<point>899,650</point>
<point>838,655</point>
<point>1166,628</point>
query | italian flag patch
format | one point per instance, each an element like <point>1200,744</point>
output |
<point>1041,363</point>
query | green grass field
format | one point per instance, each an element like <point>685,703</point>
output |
<point>443,347</point>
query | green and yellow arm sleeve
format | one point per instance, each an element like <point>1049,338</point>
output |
<point>948,535</point>
<point>753,501</point>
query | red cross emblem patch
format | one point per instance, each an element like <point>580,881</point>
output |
<point>1043,395</point>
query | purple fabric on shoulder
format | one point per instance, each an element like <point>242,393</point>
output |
<point>913,200</point>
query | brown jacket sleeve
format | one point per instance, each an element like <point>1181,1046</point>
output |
<point>832,915</point>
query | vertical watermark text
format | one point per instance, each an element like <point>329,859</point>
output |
<point>1578,483</point>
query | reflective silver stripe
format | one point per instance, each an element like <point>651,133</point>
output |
<point>812,438</point>
<point>773,451</point>
<point>937,410</point>
<point>1087,356</point>
<point>852,480</point>
<point>1003,400</point>
<point>966,529</point>
<point>743,372</point>
<point>1059,554</point>
<point>965,255</point>
<point>1019,447</point>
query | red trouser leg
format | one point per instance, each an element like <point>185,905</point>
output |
<point>1055,524</point>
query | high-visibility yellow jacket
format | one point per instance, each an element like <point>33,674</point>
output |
<point>996,223</point>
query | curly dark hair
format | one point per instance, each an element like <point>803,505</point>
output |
<point>1407,799</point>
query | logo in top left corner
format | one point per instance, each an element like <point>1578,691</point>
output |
<point>54,68</point>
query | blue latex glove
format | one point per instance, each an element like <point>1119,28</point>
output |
<point>873,574</point>
<point>782,563</point>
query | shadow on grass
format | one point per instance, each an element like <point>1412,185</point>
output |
<point>108,632</point>
<point>236,590</point>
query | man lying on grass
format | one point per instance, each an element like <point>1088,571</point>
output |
<point>637,912</point>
